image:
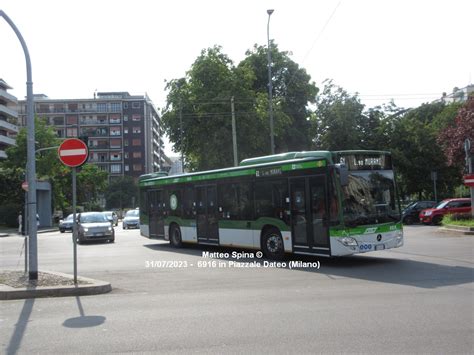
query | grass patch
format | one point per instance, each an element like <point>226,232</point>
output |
<point>464,220</point>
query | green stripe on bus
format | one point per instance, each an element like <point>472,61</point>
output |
<point>346,232</point>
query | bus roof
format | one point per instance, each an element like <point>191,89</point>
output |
<point>287,156</point>
<point>287,161</point>
<point>285,165</point>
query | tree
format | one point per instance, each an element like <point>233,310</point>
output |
<point>91,182</point>
<point>122,193</point>
<point>336,124</point>
<point>452,138</point>
<point>293,91</point>
<point>48,166</point>
<point>416,153</point>
<point>197,117</point>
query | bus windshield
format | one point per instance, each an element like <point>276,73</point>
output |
<point>369,198</point>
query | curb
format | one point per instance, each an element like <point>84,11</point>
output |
<point>458,229</point>
<point>93,287</point>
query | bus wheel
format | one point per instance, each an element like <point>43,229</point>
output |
<point>272,244</point>
<point>175,236</point>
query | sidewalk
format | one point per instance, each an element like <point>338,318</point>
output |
<point>15,285</point>
<point>7,232</point>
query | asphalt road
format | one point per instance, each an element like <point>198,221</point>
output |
<point>416,299</point>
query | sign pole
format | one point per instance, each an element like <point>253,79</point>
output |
<point>74,223</point>
<point>73,153</point>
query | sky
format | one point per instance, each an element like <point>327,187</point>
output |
<point>410,51</point>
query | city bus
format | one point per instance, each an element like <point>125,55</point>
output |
<point>318,203</point>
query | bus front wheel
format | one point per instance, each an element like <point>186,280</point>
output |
<point>272,244</point>
<point>175,236</point>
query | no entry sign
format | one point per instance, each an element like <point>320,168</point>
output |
<point>73,152</point>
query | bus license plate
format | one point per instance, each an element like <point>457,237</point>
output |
<point>380,247</point>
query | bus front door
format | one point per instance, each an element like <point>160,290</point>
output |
<point>309,215</point>
<point>206,215</point>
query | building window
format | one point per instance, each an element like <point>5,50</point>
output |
<point>71,119</point>
<point>137,154</point>
<point>137,167</point>
<point>125,118</point>
<point>127,168</point>
<point>115,107</point>
<point>58,121</point>
<point>136,142</point>
<point>135,105</point>
<point>116,168</point>
<point>101,119</point>
<point>116,157</point>
<point>126,155</point>
<point>125,142</point>
<point>125,105</point>
<point>137,130</point>
<point>115,131</point>
<point>136,117</point>
<point>71,132</point>
<point>125,130</point>
<point>115,143</point>
<point>114,118</point>
<point>72,107</point>
<point>102,107</point>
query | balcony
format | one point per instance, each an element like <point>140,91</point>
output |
<point>8,111</point>
<point>7,97</point>
<point>8,126</point>
<point>7,140</point>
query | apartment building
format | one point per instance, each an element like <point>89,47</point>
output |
<point>8,118</point>
<point>123,131</point>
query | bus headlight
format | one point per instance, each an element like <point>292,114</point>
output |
<point>348,242</point>
<point>399,238</point>
<point>86,229</point>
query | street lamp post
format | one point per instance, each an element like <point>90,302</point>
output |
<point>30,123</point>
<point>270,89</point>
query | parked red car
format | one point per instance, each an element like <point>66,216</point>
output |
<point>449,206</point>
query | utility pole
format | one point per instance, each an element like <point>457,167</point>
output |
<point>30,153</point>
<point>234,133</point>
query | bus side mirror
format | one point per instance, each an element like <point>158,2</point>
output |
<point>343,174</point>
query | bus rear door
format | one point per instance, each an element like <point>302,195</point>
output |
<point>206,215</point>
<point>157,222</point>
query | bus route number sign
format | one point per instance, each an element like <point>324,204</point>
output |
<point>268,172</point>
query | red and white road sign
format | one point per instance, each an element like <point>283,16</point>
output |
<point>73,152</point>
<point>24,185</point>
<point>469,180</point>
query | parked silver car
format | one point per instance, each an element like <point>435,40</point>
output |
<point>94,226</point>
<point>132,219</point>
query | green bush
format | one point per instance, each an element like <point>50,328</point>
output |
<point>459,219</point>
<point>9,214</point>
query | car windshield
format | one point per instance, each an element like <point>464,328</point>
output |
<point>442,204</point>
<point>132,213</point>
<point>369,198</point>
<point>68,218</point>
<point>108,214</point>
<point>93,218</point>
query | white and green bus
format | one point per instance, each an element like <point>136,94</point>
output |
<point>318,203</point>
